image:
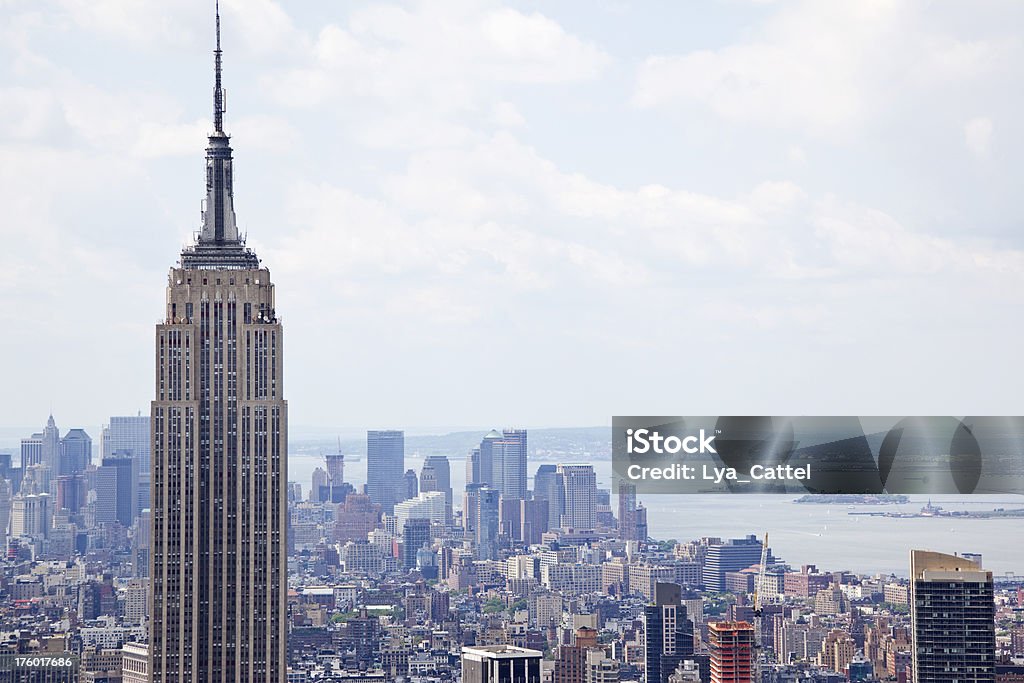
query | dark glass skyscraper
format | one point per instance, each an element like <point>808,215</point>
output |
<point>385,467</point>
<point>219,454</point>
<point>75,452</point>
<point>953,618</point>
<point>668,632</point>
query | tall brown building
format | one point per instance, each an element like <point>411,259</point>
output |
<point>571,664</point>
<point>219,456</point>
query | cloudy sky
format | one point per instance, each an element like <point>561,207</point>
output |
<point>534,213</point>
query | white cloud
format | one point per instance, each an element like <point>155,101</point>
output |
<point>823,68</point>
<point>507,115</point>
<point>26,113</point>
<point>457,187</point>
<point>978,136</point>
<point>496,220</point>
<point>443,56</point>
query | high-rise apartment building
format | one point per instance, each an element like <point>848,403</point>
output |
<point>579,493</point>
<point>953,619</point>
<point>385,467</point>
<point>668,633</point>
<point>219,453</point>
<point>732,651</point>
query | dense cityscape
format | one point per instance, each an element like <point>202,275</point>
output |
<point>406,579</point>
<point>178,549</point>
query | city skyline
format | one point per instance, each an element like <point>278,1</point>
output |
<point>433,222</point>
<point>767,203</point>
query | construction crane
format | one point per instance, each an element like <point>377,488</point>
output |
<point>758,609</point>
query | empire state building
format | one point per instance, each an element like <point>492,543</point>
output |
<point>219,456</point>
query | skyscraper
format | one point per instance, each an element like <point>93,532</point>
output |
<point>732,651</point>
<point>503,462</point>
<point>415,534</point>
<point>487,457</point>
<point>547,485</point>
<point>6,503</point>
<point>632,518</point>
<point>412,484</point>
<point>51,446</point>
<point>42,448</point>
<point>509,463</point>
<point>32,450</point>
<point>953,619</point>
<point>219,453</point>
<point>668,633</point>
<point>318,481</point>
<point>732,556</point>
<point>481,517</point>
<point>114,500</point>
<point>579,491</point>
<point>335,469</point>
<point>385,467</point>
<point>130,435</point>
<point>75,452</point>
<point>436,475</point>
<point>473,467</point>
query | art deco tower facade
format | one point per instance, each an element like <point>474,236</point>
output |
<point>219,453</point>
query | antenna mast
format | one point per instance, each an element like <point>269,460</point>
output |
<point>218,92</point>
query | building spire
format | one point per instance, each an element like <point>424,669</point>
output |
<point>218,92</point>
<point>219,243</point>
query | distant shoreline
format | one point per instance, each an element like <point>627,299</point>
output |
<point>853,499</point>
